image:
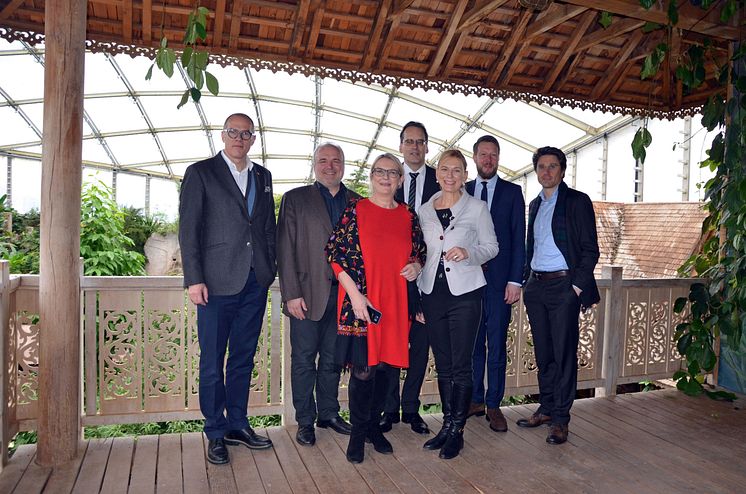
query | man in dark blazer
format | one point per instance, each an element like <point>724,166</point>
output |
<point>561,252</point>
<point>227,240</point>
<point>309,291</point>
<point>419,186</point>
<point>504,275</point>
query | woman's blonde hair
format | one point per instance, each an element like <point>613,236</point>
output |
<point>390,156</point>
<point>453,153</point>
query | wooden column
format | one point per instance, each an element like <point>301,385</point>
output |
<point>59,282</point>
<point>614,322</point>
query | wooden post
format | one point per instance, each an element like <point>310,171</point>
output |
<point>614,322</point>
<point>59,281</point>
<point>288,411</point>
<point>5,343</point>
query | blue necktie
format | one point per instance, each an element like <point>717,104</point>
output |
<point>484,191</point>
<point>251,195</point>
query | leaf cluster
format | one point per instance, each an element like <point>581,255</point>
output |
<point>193,60</point>
<point>105,248</point>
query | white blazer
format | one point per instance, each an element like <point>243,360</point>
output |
<point>471,228</point>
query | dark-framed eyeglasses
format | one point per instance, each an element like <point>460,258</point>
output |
<point>382,172</point>
<point>235,134</point>
<point>413,142</point>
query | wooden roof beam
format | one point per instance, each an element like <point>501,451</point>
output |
<point>127,21</point>
<point>616,29</point>
<point>299,28</point>
<point>313,36</point>
<point>376,36</point>
<point>618,67</point>
<point>478,12</point>
<point>691,18</point>
<point>555,15</point>
<point>578,33</point>
<point>147,21</point>
<point>445,42</point>
<point>505,56</point>
<point>9,9</point>
<point>399,8</point>
<point>217,32</point>
<point>236,15</point>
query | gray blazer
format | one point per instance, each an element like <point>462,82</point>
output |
<point>303,229</point>
<point>219,240</point>
<point>471,228</point>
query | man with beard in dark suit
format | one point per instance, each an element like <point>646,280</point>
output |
<point>227,240</point>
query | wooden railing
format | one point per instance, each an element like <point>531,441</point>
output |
<point>140,351</point>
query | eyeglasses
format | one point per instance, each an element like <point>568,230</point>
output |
<point>382,172</point>
<point>235,133</point>
<point>412,142</point>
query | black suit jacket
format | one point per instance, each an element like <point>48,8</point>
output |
<point>508,211</point>
<point>581,249</point>
<point>430,188</point>
<point>218,238</point>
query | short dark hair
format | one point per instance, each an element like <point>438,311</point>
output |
<point>549,150</point>
<point>412,124</point>
<point>486,138</point>
<point>239,115</point>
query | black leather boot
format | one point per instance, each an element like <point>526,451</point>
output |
<point>445,388</point>
<point>375,435</point>
<point>360,394</point>
<point>460,408</point>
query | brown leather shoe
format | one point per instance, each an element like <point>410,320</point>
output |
<point>475,409</point>
<point>497,420</point>
<point>534,420</point>
<point>557,434</point>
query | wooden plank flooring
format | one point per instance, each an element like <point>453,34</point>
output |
<point>662,441</point>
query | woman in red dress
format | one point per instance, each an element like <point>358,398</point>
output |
<point>375,250</point>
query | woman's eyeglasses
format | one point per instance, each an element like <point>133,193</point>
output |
<point>381,172</point>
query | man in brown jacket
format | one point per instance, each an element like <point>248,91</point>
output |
<point>309,291</point>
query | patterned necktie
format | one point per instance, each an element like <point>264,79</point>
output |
<point>412,189</point>
<point>250,193</point>
<point>484,191</point>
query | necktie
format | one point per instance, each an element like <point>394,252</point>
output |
<point>250,193</point>
<point>412,189</point>
<point>484,191</point>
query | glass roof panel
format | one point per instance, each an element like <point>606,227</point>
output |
<point>284,116</point>
<point>439,126</point>
<point>163,195</point>
<point>14,128</point>
<point>135,70</point>
<point>284,85</point>
<point>349,126</point>
<point>286,169</point>
<point>131,190</point>
<point>28,173</point>
<point>162,112</point>
<point>594,118</point>
<point>460,103</point>
<point>534,127</point>
<point>230,79</point>
<point>30,86</point>
<point>282,143</point>
<point>95,152</point>
<point>115,114</point>
<point>388,141</point>
<point>94,176</point>
<point>100,76</point>
<point>217,109</point>
<point>134,149</point>
<point>35,112</point>
<point>184,145</point>
<point>353,97</point>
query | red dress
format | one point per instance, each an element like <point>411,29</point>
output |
<point>386,244</point>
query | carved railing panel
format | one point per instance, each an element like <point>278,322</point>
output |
<point>26,327</point>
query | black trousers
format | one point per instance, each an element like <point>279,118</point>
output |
<point>452,325</point>
<point>309,339</point>
<point>553,309</point>
<point>410,391</point>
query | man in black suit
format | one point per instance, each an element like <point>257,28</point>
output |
<point>419,185</point>
<point>561,252</point>
<point>504,275</point>
<point>227,240</point>
<point>309,289</point>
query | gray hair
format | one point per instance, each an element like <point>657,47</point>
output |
<point>329,144</point>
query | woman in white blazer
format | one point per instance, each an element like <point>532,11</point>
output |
<point>460,237</point>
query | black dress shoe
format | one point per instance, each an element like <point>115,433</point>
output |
<point>306,436</point>
<point>337,424</point>
<point>247,437</point>
<point>387,421</point>
<point>557,434</point>
<point>217,453</point>
<point>415,421</point>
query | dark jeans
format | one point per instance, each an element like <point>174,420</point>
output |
<point>452,324</point>
<point>307,340</point>
<point>410,391</point>
<point>233,321</point>
<point>553,309</point>
<point>489,348</point>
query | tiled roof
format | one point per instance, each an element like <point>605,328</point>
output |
<point>649,240</point>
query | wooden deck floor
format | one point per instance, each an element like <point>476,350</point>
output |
<point>657,442</point>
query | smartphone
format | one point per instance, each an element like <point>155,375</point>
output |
<point>375,315</point>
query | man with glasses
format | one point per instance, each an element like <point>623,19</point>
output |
<point>504,275</point>
<point>227,240</point>
<point>419,185</point>
<point>309,289</point>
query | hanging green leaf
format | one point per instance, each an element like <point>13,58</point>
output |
<point>212,83</point>
<point>650,27</point>
<point>728,11</point>
<point>605,19</point>
<point>653,61</point>
<point>184,99</point>
<point>640,142</point>
<point>673,12</point>
<point>647,4</point>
